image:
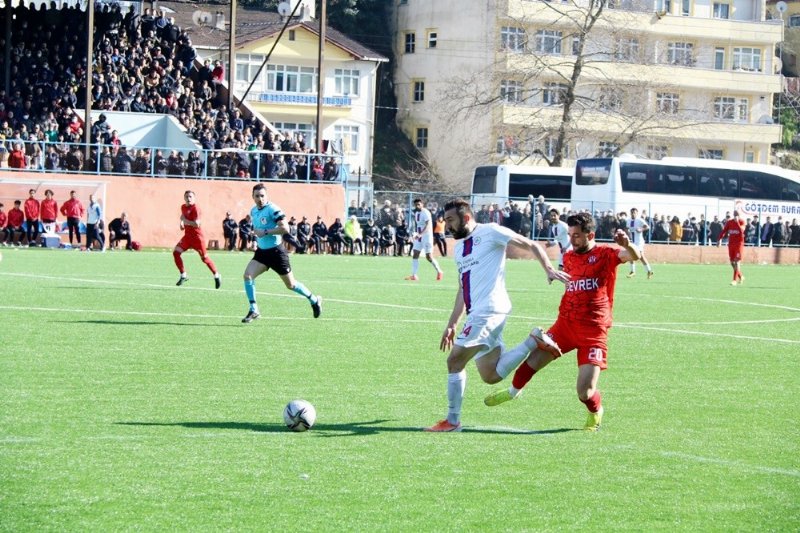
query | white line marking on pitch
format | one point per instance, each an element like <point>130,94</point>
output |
<point>710,334</point>
<point>733,464</point>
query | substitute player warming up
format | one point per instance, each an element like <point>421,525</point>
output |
<point>480,255</point>
<point>193,239</point>
<point>269,226</point>
<point>584,316</point>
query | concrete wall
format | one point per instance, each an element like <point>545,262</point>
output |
<point>153,204</point>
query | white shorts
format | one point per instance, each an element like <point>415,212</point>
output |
<point>424,245</point>
<point>482,330</point>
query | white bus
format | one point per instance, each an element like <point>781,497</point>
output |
<point>501,183</point>
<point>679,186</point>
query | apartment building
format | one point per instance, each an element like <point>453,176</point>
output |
<point>284,89</point>
<point>488,82</point>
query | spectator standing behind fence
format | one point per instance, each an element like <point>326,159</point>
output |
<point>778,232</point>
<point>766,232</point>
<point>74,211</point>
<point>794,233</point>
<point>229,227</point>
<point>714,229</point>
<point>31,209</point>
<point>675,230</point>
<point>94,224</point>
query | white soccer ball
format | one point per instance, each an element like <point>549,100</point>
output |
<point>299,415</point>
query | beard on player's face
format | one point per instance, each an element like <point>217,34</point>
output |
<point>460,230</point>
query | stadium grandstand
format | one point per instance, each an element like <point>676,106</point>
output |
<point>143,63</point>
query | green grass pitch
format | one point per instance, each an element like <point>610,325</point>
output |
<point>130,404</point>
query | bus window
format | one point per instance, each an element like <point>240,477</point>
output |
<point>551,187</point>
<point>791,191</point>
<point>711,182</point>
<point>485,181</point>
<point>760,186</point>
<point>593,172</point>
<point>679,180</point>
<point>634,177</point>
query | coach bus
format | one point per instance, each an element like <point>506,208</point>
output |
<point>500,183</point>
<point>682,187</point>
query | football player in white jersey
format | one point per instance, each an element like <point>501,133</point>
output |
<point>422,240</point>
<point>559,235</point>
<point>480,255</point>
<point>638,227</point>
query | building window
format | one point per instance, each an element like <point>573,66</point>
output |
<point>721,11</point>
<point>794,21</point>
<point>553,93</point>
<point>419,91</point>
<point>627,49</point>
<point>432,39</point>
<point>667,103</point>
<point>422,138</point>
<point>710,153</point>
<point>550,144</point>
<point>507,145</point>
<point>512,39</point>
<point>747,59</point>
<point>346,81</point>
<point>610,99</point>
<point>247,66</point>
<point>306,130</point>
<point>680,54</point>
<point>663,6</point>
<point>608,149</point>
<point>719,59</point>
<point>686,8</point>
<point>347,138</point>
<point>655,151</point>
<point>731,109</point>
<point>749,156</point>
<point>291,79</point>
<point>511,91</point>
<point>576,43</point>
<point>292,35</point>
<point>548,42</point>
<point>411,42</point>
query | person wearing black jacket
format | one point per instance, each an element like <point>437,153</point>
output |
<point>229,227</point>
<point>319,233</point>
<point>245,233</point>
<point>372,238</point>
<point>304,235</point>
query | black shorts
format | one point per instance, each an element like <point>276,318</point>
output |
<point>275,258</point>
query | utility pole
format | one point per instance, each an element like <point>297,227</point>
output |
<point>87,116</point>
<point>320,72</point>
<point>232,56</point>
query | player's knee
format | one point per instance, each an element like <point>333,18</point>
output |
<point>491,378</point>
<point>584,393</point>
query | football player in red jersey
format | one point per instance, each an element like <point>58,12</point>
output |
<point>734,229</point>
<point>193,239</point>
<point>584,316</point>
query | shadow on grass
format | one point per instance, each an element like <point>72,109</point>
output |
<point>147,323</point>
<point>373,427</point>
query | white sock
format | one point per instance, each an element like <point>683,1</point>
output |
<point>633,268</point>
<point>513,391</point>
<point>435,265</point>
<point>510,359</point>
<point>456,383</point>
<point>414,266</point>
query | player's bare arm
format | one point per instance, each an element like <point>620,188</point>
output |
<point>629,251</point>
<point>186,222</point>
<point>449,334</point>
<point>538,252</point>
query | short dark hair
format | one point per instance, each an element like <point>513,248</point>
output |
<point>258,187</point>
<point>583,220</point>
<point>417,200</point>
<point>460,205</point>
<point>553,211</point>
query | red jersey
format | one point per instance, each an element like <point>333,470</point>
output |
<point>49,210</point>
<point>191,212</point>
<point>3,219</point>
<point>734,229</point>
<point>589,295</point>
<point>72,208</point>
<point>31,209</point>
<point>15,217</point>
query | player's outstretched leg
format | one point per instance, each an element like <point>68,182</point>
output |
<point>314,300</point>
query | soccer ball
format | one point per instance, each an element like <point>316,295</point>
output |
<point>299,415</point>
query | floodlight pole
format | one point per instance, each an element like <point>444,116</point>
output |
<point>87,112</point>
<point>320,74</point>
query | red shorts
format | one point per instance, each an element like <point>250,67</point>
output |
<point>590,341</point>
<point>735,252</point>
<point>190,242</point>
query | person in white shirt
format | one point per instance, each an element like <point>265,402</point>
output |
<point>480,255</point>
<point>559,235</point>
<point>422,240</point>
<point>94,224</point>
<point>637,228</point>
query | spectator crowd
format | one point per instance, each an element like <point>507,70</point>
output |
<point>142,63</point>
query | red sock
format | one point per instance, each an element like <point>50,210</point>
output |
<point>210,264</point>
<point>739,275</point>
<point>593,403</point>
<point>522,376</point>
<point>178,261</point>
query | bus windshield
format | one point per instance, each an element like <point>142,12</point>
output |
<point>592,171</point>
